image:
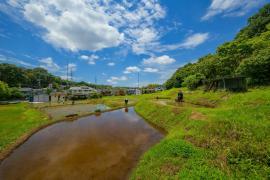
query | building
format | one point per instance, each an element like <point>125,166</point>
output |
<point>134,91</point>
<point>81,91</point>
<point>58,97</point>
<point>228,83</point>
<point>105,92</point>
<point>26,92</point>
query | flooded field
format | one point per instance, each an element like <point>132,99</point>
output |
<point>60,112</point>
<point>95,147</point>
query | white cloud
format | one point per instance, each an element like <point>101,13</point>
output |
<point>93,24</point>
<point>161,60</point>
<point>72,67</point>
<point>231,7</point>
<point>90,59</point>
<point>194,40</point>
<point>150,70</point>
<point>49,64</point>
<point>5,59</point>
<point>111,64</point>
<point>73,25</point>
<point>190,42</point>
<point>115,80</point>
<point>132,69</point>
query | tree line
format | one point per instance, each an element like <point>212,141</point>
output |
<point>247,55</point>
<point>15,76</point>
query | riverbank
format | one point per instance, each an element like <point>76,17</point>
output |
<point>19,121</point>
<point>217,135</point>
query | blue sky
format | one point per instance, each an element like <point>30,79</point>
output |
<point>113,40</point>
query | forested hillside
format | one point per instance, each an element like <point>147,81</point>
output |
<point>38,77</point>
<point>247,55</point>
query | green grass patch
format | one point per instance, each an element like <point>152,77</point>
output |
<point>17,120</point>
<point>229,140</point>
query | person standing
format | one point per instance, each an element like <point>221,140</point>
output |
<point>126,101</point>
<point>180,97</point>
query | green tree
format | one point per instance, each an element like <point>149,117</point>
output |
<point>15,93</point>
<point>257,67</point>
<point>4,91</point>
<point>193,81</point>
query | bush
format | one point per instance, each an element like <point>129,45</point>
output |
<point>193,81</point>
<point>15,93</point>
<point>4,91</point>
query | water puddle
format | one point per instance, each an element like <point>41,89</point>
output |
<point>61,112</point>
<point>95,147</point>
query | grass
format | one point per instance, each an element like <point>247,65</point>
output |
<point>17,120</point>
<point>213,135</point>
<point>224,136</point>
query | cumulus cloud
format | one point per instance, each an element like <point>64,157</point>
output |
<point>90,59</point>
<point>111,64</point>
<point>231,7</point>
<point>93,24</point>
<point>161,60</point>
<point>49,64</point>
<point>115,80</point>
<point>132,69</point>
<point>150,70</point>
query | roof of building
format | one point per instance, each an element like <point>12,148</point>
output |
<point>82,88</point>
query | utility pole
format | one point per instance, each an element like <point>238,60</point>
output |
<point>71,71</point>
<point>138,80</point>
<point>96,82</point>
<point>67,71</point>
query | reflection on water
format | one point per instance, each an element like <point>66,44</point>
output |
<point>94,147</point>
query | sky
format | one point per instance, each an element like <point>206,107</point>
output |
<point>114,41</point>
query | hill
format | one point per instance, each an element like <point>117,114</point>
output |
<point>38,77</point>
<point>247,55</point>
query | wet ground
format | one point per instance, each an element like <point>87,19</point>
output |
<point>60,112</point>
<point>95,147</point>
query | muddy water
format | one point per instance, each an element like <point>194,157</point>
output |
<point>95,147</point>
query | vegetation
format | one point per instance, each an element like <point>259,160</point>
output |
<point>247,54</point>
<point>17,120</point>
<point>4,91</point>
<point>35,78</point>
<point>211,136</point>
<point>7,93</point>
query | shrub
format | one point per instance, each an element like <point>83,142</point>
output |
<point>15,93</point>
<point>193,81</point>
<point>4,91</point>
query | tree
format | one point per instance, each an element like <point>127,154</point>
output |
<point>4,91</point>
<point>193,81</point>
<point>15,93</point>
<point>257,67</point>
<point>246,55</point>
<point>256,24</point>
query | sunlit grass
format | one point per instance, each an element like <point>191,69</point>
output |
<point>229,140</point>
